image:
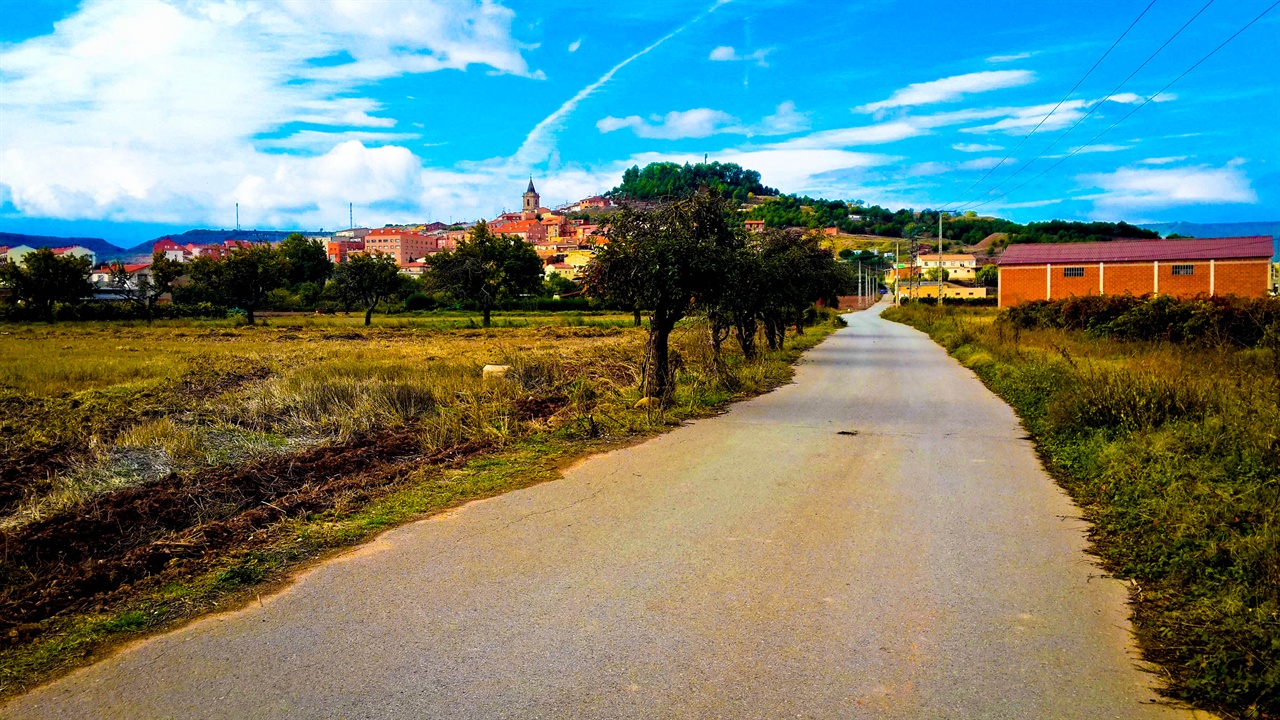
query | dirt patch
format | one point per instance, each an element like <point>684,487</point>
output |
<point>539,408</point>
<point>179,525</point>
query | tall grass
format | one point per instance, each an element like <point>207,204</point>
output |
<point>1172,451</point>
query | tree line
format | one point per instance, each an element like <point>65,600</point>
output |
<point>484,271</point>
<point>693,256</point>
<point>666,180</point>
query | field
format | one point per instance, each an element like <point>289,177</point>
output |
<point>1172,452</point>
<point>149,474</point>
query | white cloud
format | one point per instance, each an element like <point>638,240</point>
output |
<point>695,123</point>
<point>1162,160</point>
<point>1018,120</point>
<point>726,53</point>
<point>974,147</point>
<point>983,163</point>
<point>1144,188</point>
<point>854,136</point>
<point>784,121</point>
<point>155,111</point>
<point>952,88</point>
<point>573,46</point>
<point>1009,58</point>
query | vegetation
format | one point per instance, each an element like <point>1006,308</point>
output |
<point>668,181</point>
<point>44,279</point>
<point>243,279</point>
<point>308,260</point>
<point>488,269</point>
<point>151,473</point>
<point>145,290</point>
<point>367,280</point>
<point>689,255</point>
<point>1171,448</point>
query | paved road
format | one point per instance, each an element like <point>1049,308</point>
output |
<point>753,565</point>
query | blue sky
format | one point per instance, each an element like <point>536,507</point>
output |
<point>127,118</point>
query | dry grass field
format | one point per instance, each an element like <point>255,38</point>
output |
<point>151,473</point>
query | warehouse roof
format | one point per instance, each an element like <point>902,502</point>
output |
<point>1138,250</point>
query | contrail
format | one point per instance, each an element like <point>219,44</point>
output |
<point>535,147</point>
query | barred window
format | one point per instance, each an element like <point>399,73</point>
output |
<point>1073,272</point>
<point>1184,269</point>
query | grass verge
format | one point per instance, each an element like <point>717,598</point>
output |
<point>1172,452</point>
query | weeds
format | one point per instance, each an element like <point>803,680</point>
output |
<point>1173,454</point>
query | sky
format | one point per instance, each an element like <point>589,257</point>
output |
<point>126,119</point>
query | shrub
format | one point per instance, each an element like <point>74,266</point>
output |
<point>1203,320</point>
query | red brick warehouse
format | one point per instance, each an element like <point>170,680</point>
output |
<point>1182,268</point>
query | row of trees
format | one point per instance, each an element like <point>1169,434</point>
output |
<point>485,270</point>
<point>693,256</point>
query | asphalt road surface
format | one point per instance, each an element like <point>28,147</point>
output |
<point>874,540</point>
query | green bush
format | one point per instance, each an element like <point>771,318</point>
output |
<point>1212,321</point>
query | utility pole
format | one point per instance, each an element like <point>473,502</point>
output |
<point>237,217</point>
<point>939,259</point>
<point>351,216</point>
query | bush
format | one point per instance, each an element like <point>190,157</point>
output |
<point>114,311</point>
<point>1203,320</point>
<point>419,301</point>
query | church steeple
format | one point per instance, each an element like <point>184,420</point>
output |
<point>531,201</point>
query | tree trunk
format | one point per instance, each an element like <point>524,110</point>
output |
<point>636,313</point>
<point>368,316</point>
<point>487,310</point>
<point>248,313</point>
<point>746,331</point>
<point>659,364</point>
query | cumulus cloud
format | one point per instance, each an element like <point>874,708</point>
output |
<point>155,110</point>
<point>726,53</point>
<point>1131,188</point>
<point>784,121</point>
<point>573,46</point>
<point>951,88</point>
<point>974,147</point>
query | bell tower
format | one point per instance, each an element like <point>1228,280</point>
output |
<point>531,200</point>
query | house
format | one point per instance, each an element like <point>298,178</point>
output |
<point>755,226</point>
<point>338,250</point>
<point>959,266</point>
<point>1182,268</point>
<point>529,229</point>
<point>416,268</point>
<point>595,202</point>
<point>831,231</point>
<point>573,265</point>
<point>404,246</point>
<point>101,275</point>
<point>16,253</point>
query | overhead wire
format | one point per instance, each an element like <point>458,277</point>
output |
<point>1055,107</point>
<point>1095,107</point>
<point>1139,107</point>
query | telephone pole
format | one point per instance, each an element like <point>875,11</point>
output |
<point>237,217</point>
<point>939,259</point>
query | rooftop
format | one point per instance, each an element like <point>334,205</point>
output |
<point>1260,246</point>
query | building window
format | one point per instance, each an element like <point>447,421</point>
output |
<point>1073,272</point>
<point>1184,269</point>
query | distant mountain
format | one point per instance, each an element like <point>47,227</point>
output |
<point>104,249</point>
<point>1209,230</point>
<point>212,237</point>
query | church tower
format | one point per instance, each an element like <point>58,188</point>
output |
<point>531,201</point>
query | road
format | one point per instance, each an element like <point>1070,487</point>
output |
<point>759,564</point>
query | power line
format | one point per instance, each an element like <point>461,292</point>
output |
<point>1055,107</point>
<point>1136,109</point>
<point>1096,105</point>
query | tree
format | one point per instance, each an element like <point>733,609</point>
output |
<point>663,258</point>
<point>243,278</point>
<point>368,279</point>
<point>989,275</point>
<point>145,289</point>
<point>308,260</point>
<point>934,273</point>
<point>45,279</point>
<point>797,271</point>
<point>488,269</point>
<point>557,284</point>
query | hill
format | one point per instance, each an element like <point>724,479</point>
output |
<point>104,249</point>
<point>1237,229</point>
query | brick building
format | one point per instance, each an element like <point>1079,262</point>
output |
<point>406,247</point>
<point>1182,268</point>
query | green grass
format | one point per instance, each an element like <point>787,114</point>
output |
<point>1173,454</point>
<point>309,388</point>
